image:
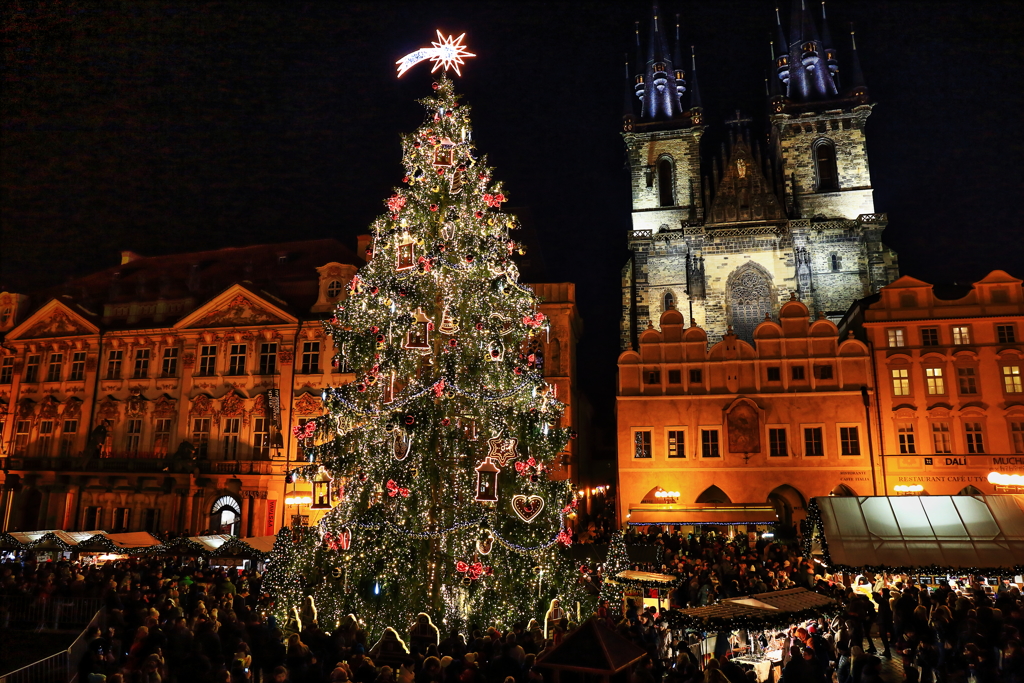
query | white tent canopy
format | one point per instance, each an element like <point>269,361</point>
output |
<point>955,532</point>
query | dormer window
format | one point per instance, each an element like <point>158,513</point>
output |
<point>334,288</point>
<point>808,47</point>
<point>659,67</point>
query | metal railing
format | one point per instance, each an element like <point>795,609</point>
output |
<point>61,667</point>
<point>27,612</point>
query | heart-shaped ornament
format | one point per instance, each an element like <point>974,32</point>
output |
<point>527,507</point>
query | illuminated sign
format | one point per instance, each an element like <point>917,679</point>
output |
<point>446,53</point>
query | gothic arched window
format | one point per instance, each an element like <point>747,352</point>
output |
<point>749,298</point>
<point>665,194</point>
<point>827,178</point>
<point>837,262</point>
<point>670,301</point>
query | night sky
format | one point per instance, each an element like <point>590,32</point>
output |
<point>174,127</point>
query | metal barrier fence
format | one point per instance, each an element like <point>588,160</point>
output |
<point>27,612</point>
<point>61,667</point>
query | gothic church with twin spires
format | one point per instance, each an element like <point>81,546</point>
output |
<point>727,243</point>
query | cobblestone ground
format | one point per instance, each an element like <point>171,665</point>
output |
<point>892,670</point>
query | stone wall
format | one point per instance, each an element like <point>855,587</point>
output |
<point>644,150</point>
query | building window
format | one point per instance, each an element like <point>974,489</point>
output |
<point>268,358</point>
<point>900,381</point>
<point>652,377</point>
<point>709,443</point>
<point>941,443</point>
<point>93,518</point>
<point>906,435</point>
<point>961,335</point>
<point>1005,334</point>
<point>77,366</point>
<point>675,377</point>
<point>823,371</point>
<point>813,443</point>
<point>169,367</point>
<point>825,167</point>
<point>778,446</point>
<point>236,359</point>
<point>151,520</point>
<point>208,359</point>
<point>133,437</point>
<point>798,372</point>
<point>162,436</point>
<point>967,381</point>
<point>261,437</point>
<point>665,194</point>
<point>676,443</point>
<point>141,364</point>
<point>114,359</point>
<point>774,374</point>
<point>7,370</point>
<point>68,433</point>
<point>641,444</point>
<point>897,338</point>
<point>53,371</point>
<point>201,436</point>
<point>310,358</point>
<point>1011,379</point>
<point>930,336</point>
<point>935,382</point>
<point>334,288</point>
<point>670,301</point>
<point>122,516</point>
<point>1017,435</point>
<point>696,376</point>
<point>837,262</point>
<point>21,431</point>
<point>32,369</point>
<point>975,437</point>
<point>849,440</point>
<point>44,442</point>
<point>232,427</point>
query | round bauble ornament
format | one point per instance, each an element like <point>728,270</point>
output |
<point>380,338</point>
<point>435,85</point>
<point>433,207</point>
<point>416,144</point>
<point>478,214</point>
<point>466,581</point>
<point>517,370</point>
<point>336,572</point>
<point>453,342</point>
<point>479,327</point>
<point>360,387</point>
<point>405,179</point>
<point>410,420</point>
<point>445,422</point>
<point>390,427</point>
<point>440,171</point>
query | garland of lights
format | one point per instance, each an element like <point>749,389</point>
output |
<point>817,527</point>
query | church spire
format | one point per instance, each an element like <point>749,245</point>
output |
<point>806,71</point>
<point>830,48</point>
<point>857,86</point>
<point>696,106</point>
<point>627,107</point>
<point>661,92</point>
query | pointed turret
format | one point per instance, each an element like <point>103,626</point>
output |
<point>696,106</point>
<point>808,77</point>
<point>627,107</point>
<point>660,94</point>
<point>677,64</point>
<point>830,48</point>
<point>857,87</point>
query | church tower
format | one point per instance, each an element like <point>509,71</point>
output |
<point>727,243</point>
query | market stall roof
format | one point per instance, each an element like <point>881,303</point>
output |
<point>593,648</point>
<point>983,534</point>
<point>134,539</point>
<point>263,544</point>
<point>702,513</point>
<point>646,576</point>
<point>135,542</point>
<point>774,609</point>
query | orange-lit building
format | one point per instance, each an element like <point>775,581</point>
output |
<point>767,425</point>
<point>950,385</point>
<point>160,394</point>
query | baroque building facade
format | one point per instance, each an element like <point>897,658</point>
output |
<point>162,394</point>
<point>728,242</point>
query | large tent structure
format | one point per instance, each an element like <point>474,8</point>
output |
<point>137,543</point>
<point>931,534</point>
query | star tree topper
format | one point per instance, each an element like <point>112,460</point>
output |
<point>446,53</point>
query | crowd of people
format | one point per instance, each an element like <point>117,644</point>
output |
<point>183,622</point>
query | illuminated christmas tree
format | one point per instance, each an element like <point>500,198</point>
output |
<point>436,457</point>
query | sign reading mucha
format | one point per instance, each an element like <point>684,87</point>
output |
<point>744,428</point>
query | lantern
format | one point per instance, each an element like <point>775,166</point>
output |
<point>418,336</point>
<point>487,482</point>
<point>321,492</point>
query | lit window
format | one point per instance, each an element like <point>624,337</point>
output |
<point>641,444</point>
<point>967,380</point>
<point>900,382</point>
<point>906,435</point>
<point>201,436</point>
<point>232,427</point>
<point>670,301</point>
<point>207,359</point>
<point>813,444</point>
<point>1017,435</point>
<point>133,437</point>
<point>709,443</point>
<point>334,289</point>
<point>777,444</point>
<point>162,436</point>
<point>268,358</point>
<point>141,364</point>
<point>676,444</point>
<point>236,359</point>
<point>961,335</point>
<point>941,442</point>
<point>1011,379</point>
<point>975,437</point>
<point>849,440</point>
<point>114,359</point>
<point>77,366</point>
<point>930,336</point>
<point>896,338</point>
<point>1005,334</point>
<point>7,370</point>
<point>935,382</point>
<point>170,362</point>
<point>31,369</point>
<point>45,440</point>
<point>310,358</point>
<point>68,432</point>
<point>53,371</point>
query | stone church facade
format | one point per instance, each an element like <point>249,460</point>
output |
<point>728,243</point>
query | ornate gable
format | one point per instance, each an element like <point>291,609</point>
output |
<point>237,307</point>
<point>744,194</point>
<point>53,320</point>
